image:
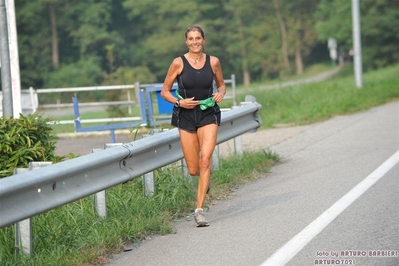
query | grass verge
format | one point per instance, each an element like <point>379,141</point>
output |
<point>74,235</point>
<point>309,103</point>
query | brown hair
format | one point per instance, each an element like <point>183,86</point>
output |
<point>195,27</point>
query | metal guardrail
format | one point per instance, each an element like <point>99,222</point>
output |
<point>34,192</point>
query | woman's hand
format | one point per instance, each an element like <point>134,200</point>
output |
<point>188,103</point>
<point>218,97</point>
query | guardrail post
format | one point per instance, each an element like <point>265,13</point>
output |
<point>149,178</point>
<point>237,140</point>
<point>238,145</point>
<point>100,199</point>
<point>149,183</point>
<point>215,159</point>
<point>187,177</point>
<point>23,229</point>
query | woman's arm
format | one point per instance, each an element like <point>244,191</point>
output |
<point>218,75</point>
<point>174,70</point>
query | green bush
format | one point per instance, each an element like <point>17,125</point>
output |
<point>25,140</point>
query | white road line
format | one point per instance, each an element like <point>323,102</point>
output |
<point>298,242</point>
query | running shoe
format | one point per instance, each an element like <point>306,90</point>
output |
<point>199,218</point>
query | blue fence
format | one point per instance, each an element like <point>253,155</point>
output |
<point>154,110</point>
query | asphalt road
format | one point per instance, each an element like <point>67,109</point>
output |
<point>309,210</point>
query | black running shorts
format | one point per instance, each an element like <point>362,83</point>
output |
<point>191,119</point>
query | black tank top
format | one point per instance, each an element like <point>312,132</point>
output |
<point>196,83</point>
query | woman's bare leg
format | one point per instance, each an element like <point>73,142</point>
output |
<point>207,140</point>
<point>191,150</point>
<point>198,149</point>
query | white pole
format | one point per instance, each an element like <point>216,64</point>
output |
<point>357,46</point>
<point>5,62</point>
<point>14,58</point>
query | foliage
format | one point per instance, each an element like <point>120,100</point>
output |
<point>124,75</point>
<point>74,235</point>
<point>379,21</point>
<point>25,140</point>
<point>84,72</point>
<point>335,21</point>
<point>254,40</point>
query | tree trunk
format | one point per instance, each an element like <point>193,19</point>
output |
<point>54,35</point>
<point>298,60</point>
<point>244,57</point>
<point>283,31</point>
<point>299,43</point>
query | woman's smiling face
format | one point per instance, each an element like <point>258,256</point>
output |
<point>195,41</point>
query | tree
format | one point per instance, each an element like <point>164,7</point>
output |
<point>334,20</point>
<point>34,42</point>
<point>255,40</point>
<point>301,33</point>
<point>241,37</point>
<point>283,31</point>
<point>379,21</point>
<point>54,33</point>
<point>77,30</point>
<point>160,32</point>
<point>379,26</point>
